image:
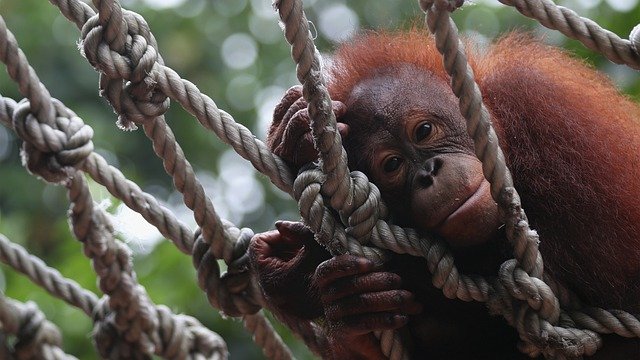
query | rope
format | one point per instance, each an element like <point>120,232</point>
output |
<point>37,338</point>
<point>326,138</point>
<point>127,66</point>
<point>50,279</point>
<point>588,32</point>
<point>169,83</point>
<point>179,336</point>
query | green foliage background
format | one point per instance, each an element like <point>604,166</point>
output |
<point>191,36</point>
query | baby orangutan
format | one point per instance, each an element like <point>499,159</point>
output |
<point>571,142</point>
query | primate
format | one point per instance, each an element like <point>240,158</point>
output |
<point>571,141</point>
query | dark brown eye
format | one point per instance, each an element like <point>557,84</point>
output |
<point>392,164</point>
<point>423,131</point>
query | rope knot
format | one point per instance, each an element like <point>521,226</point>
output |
<point>183,337</point>
<point>52,150</point>
<point>34,332</point>
<point>535,292</point>
<point>542,337</point>
<point>365,211</point>
<point>127,66</point>
<point>307,189</point>
<point>234,293</point>
<point>110,341</point>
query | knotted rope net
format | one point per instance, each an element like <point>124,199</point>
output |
<point>57,146</point>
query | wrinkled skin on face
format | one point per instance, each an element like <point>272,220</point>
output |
<point>407,134</point>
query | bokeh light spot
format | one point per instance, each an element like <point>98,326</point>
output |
<point>338,22</point>
<point>239,51</point>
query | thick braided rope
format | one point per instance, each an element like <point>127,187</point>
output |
<point>181,336</point>
<point>327,140</point>
<point>128,37</point>
<point>37,338</point>
<point>132,309</point>
<point>131,101</point>
<point>588,32</point>
<point>50,279</point>
<point>125,190</point>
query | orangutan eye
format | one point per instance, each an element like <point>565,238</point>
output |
<point>392,164</point>
<point>423,131</point>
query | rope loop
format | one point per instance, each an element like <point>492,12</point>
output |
<point>307,189</point>
<point>329,232</point>
<point>35,331</point>
<point>109,339</point>
<point>234,293</point>
<point>127,71</point>
<point>54,150</point>
<point>184,337</point>
<point>360,216</point>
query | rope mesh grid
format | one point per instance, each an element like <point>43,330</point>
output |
<point>133,78</point>
<point>127,324</point>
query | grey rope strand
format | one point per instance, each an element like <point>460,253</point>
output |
<point>50,279</point>
<point>588,32</point>
<point>184,179</point>
<point>338,184</point>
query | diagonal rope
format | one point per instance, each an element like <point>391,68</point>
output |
<point>191,99</point>
<point>587,31</point>
<point>48,278</point>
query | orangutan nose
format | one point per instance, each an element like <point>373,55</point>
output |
<point>429,171</point>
